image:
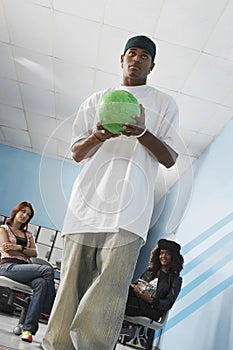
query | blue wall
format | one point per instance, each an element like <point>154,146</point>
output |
<point>44,182</point>
<point>202,316</point>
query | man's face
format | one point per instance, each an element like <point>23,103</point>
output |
<point>136,63</point>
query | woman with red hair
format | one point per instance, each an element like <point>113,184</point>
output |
<point>17,247</point>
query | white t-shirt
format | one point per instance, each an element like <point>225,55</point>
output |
<point>115,187</point>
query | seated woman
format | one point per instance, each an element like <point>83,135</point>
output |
<point>17,247</point>
<point>157,289</point>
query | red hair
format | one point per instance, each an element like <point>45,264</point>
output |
<point>19,207</point>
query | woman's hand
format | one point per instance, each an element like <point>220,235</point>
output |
<point>142,293</point>
<point>137,289</point>
<point>7,247</point>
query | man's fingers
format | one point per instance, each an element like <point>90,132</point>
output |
<point>142,116</point>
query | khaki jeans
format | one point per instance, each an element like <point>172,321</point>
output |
<point>89,307</point>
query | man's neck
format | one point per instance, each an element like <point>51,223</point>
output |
<point>133,82</point>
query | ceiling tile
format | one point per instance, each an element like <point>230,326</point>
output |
<point>195,142</point>
<point>189,23</point>
<point>173,65</point>
<point>7,67</point>
<point>12,117</point>
<point>3,25</point>
<point>66,106</point>
<point>38,100</point>
<point>103,80</point>
<point>34,68</point>
<point>132,20</point>
<point>63,131</point>
<point>201,115</point>
<point>109,53</point>
<point>9,93</point>
<point>46,3</point>
<point>69,42</point>
<point>32,28</point>
<point>36,121</point>
<point>228,99</point>
<point>16,136</point>
<point>44,145</point>
<point>220,42</point>
<point>211,79</point>
<point>69,79</point>
<point>89,9</point>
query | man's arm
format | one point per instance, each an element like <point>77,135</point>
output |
<point>85,148</point>
<point>163,153</point>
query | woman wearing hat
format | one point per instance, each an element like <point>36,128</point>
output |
<point>157,289</point>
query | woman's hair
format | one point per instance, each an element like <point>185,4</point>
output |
<point>19,207</point>
<point>176,265</point>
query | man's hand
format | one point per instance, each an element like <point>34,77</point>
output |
<point>103,134</point>
<point>162,152</point>
<point>138,128</point>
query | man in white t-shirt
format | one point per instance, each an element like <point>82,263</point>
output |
<point>110,208</point>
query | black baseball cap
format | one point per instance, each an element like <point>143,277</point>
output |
<point>142,42</point>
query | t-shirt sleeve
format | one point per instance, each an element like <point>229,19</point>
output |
<point>169,128</point>
<point>85,120</point>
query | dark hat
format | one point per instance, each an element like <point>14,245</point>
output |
<point>143,42</point>
<point>169,245</point>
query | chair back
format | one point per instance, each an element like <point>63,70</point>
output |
<point>16,286</point>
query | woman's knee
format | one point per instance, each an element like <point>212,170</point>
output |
<point>47,272</point>
<point>40,281</point>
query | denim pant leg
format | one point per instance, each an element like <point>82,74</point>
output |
<point>40,278</point>
<point>31,322</point>
<point>42,298</point>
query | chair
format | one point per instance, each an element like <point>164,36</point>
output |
<point>140,331</point>
<point>19,294</point>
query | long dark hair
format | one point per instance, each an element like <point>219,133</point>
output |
<point>19,207</point>
<point>176,265</point>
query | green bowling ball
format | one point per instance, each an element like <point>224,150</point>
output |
<point>116,108</point>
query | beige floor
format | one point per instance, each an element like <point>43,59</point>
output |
<point>10,341</point>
